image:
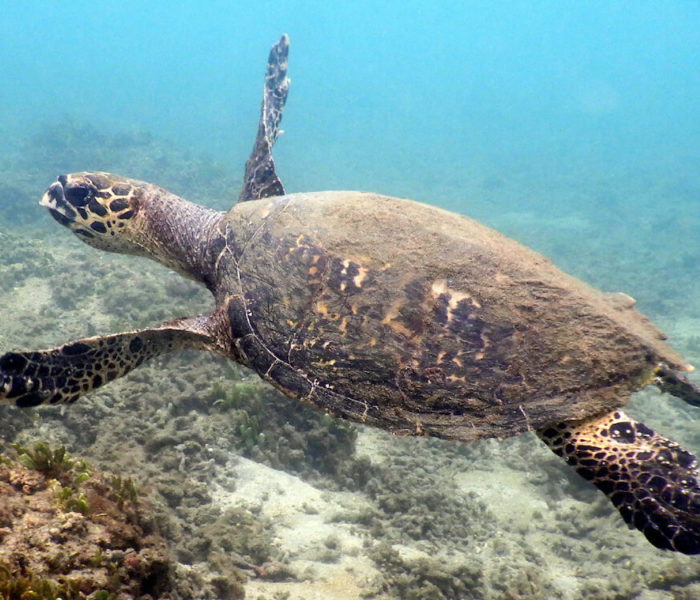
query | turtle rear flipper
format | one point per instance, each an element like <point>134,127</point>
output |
<point>652,481</point>
<point>672,383</point>
<point>63,374</point>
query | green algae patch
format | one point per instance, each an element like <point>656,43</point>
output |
<point>280,432</point>
<point>67,532</point>
<point>52,462</point>
<point>14,587</point>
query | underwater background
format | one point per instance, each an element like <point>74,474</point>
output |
<point>572,127</point>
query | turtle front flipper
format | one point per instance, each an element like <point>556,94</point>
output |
<point>65,373</point>
<point>652,481</point>
<point>260,180</point>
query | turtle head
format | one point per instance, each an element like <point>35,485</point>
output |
<point>132,217</point>
<point>99,208</point>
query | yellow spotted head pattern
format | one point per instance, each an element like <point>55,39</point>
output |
<point>97,207</point>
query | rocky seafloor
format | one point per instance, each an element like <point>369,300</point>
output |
<point>252,494</point>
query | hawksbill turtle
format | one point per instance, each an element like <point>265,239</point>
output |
<point>388,312</point>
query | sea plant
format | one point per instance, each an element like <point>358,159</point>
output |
<point>249,431</point>
<point>96,559</point>
<point>32,587</point>
<point>71,500</point>
<point>53,463</point>
<point>239,394</point>
<point>123,489</point>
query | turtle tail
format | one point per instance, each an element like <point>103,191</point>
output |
<point>63,374</point>
<point>651,480</point>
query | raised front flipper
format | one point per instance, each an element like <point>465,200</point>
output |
<point>65,373</point>
<point>260,179</point>
<point>652,481</point>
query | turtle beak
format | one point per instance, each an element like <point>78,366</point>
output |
<point>54,199</point>
<point>54,194</point>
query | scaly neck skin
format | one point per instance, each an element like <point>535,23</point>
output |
<point>178,233</point>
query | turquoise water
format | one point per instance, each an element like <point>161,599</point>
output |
<point>573,127</point>
<point>404,97</point>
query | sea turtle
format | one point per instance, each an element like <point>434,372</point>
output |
<point>388,312</point>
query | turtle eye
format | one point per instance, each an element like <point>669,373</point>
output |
<point>77,195</point>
